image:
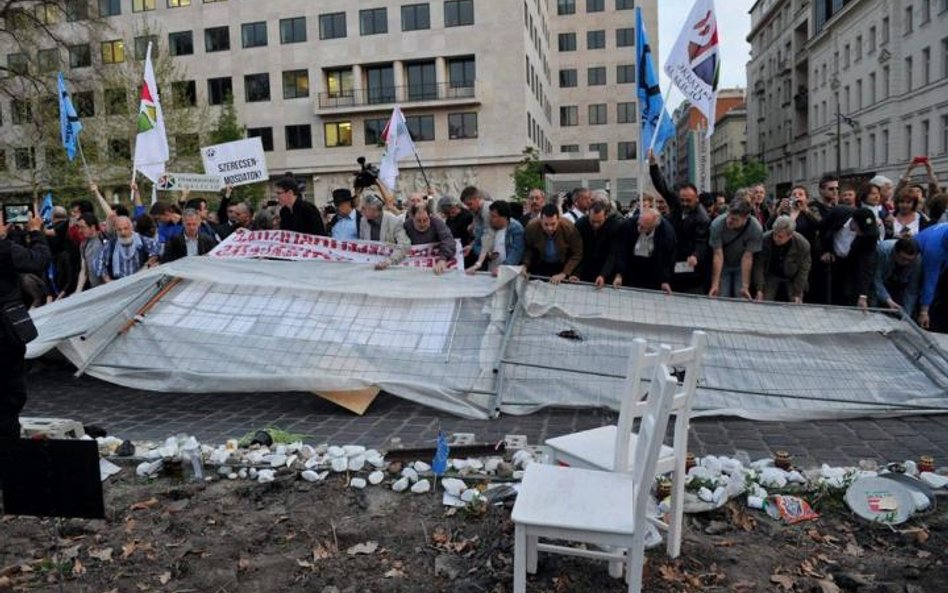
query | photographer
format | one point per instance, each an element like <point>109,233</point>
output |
<point>16,329</point>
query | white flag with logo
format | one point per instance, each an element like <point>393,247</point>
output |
<point>151,144</point>
<point>398,145</point>
<point>694,64</point>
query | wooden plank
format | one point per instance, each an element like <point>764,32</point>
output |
<point>356,402</point>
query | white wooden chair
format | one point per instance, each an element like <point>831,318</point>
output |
<point>602,508</point>
<point>595,449</point>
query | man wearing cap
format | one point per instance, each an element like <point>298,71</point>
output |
<point>345,224</point>
<point>849,237</point>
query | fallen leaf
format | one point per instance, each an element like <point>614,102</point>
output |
<point>320,552</point>
<point>741,518</point>
<point>725,543</point>
<point>78,569</point>
<point>785,581</point>
<point>394,573</point>
<point>440,536</point>
<point>669,572</point>
<point>70,553</point>
<point>130,525</point>
<point>304,563</point>
<point>129,549</point>
<point>145,504</point>
<point>243,564</point>
<point>164,578</point>
<point>853,550</point>
<point>828,586</point>
<point>924,554</point>
<point>103,555</point>
<point>365,548</point>
<point>6,583</point>
<point>921,534</point>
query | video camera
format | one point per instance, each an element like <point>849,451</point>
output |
<point>366,176</point>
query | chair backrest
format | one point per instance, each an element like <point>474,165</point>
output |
<point>690,359</point>
<point>651,435</point>
<point>633,390</point>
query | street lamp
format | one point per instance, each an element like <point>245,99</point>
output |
<point>834,85</point>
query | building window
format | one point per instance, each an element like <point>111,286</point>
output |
<point>596,39</point>
<point>295,84</point>
<point>332,26</point>
<point>113,52</point>
<point>422,83</point>
<point>48,60</point>
<point>181,43</point>
<point>143,5</point>
<point>217,39</point>
<point>885,30</point>
<point>857,49</point>
<point>908,74</point>
<point>598,114</point>
<point>119,149</point>
<point>458,13</point>
<point>926,145</point>
<point>373,21</point>
<point>421,127</point>
<point>84,102</point>
<point>926,15</point>
<point>116,101</point>
<point>339,83</point>
<point>602,148</point>
<point>567,42</point>
<point>625,113</point>
<point>76,10</point>
<point>596,76</point>
<point>187,144</point>
<point>909,18</point>
<point>565,7</point>
<point>293,30</point>
<point>373,131</point>
<point>926,66</point>
<point>178,3</point>
<point>23,158</point>
<point>253,34</point>
<point>338,133</point>
<point>265,135</point>
<point>380,84</point>
<point>219,90</point>
<point>872,40</point>
<point>595,5</point>
<point>184,93</point>
<point>569,116</point>
<point>21,112</point>
<point>944,58</point>
<point>299,137</point>
<point>627,151</point>
<point>886,82</point>
<point>110,7</point>
<point>416,17</point>
<point>625,37</point>
<point>257,87</point>
<point>569,148</point>
<point>141,46</point>
<point>80,56</point>
<point>907,155</point>
<point>625,74</point>
<point>462,125</point>
<point>625,4</point>
<point>462,72</point>
<point>944,134</point>
<point>568,78</point>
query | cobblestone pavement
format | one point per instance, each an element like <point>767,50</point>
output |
<point>142,415</point>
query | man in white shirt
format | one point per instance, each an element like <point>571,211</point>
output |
<point>582,197</point>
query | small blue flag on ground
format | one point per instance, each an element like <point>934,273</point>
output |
<point>439,465</point>
<point>651,104</point>
<point>69,123</point>
<point>46,210</point>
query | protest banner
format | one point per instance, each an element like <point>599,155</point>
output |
<point>241,162</point>
<point>189,181</point>
<point>290,245</point>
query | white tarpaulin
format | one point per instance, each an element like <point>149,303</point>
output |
<point>469,345</point>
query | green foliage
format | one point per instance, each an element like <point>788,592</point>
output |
<point>229,129</point>
<point>739,175</point>
<point>528,174</point>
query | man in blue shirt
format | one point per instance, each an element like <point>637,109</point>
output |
<point>344,226</point>
<point>898,272</point>
<point>933,312</point>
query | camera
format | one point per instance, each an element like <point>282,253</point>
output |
<point>366,176</point>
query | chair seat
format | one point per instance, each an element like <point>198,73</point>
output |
<point>595,449</point>
<point>575,499</point>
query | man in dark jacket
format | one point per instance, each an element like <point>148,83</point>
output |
<point>598,230</point>
<point>849,237</point>
<point>191,242</point>
<point>645,253</point>
<point>691,222</point>
<point>15,259</point>
<point>297,214</point>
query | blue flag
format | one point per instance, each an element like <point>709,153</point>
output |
<point>651,104</point>
<point>439,465</point>
<point>46,210</point>
<point>69,123</point>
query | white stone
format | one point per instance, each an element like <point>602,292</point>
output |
<point>731,466</point>
<point>339,464</point>
<point>294,447</point>
<point>421,487</point>
<point>223,470</point>
<point>357,483</point>
<point>148,468</point>
<point>458,464</point>
<point>375,459</point>
<point>255,457</point>
<point>335,452</point>
<point>410,473</point>
<point>232,476</point>
<point>699,472</point>
<point>307,452</point>
<point>356,463</point>
<point>266,475</point>
<point>421,467</point>
<point>477,464</point>
<point>400,484</point>
<point>291,460</point>
<point>762,463</point>
<point>242,474</point>
<point>453,486</point>
<point>796,477</point>
<point>352,450</point>
<point>312,462</point>
<point>773,477</point>
<point>310,476</point>
<point>471,494</point>
<point>276,460</point>
<point>252,474</point>
<point>491,464</point>
<point>376,478</point>
<point>712,464</point>
<point>518,475</point>
<point>705,494</point>
<point>281,450</point>
<point>719,496</point>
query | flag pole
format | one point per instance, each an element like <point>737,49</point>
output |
<point>661,118</point>
<point>82,157</point>
<point>422,167</point>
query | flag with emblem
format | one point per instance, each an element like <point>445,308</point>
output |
<point>69,124</point>
<point>151,144</point>
<point>398,146</point>
<point>694,64</point>
<point>439,465</point>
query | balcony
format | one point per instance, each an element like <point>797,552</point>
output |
<point>443,94</point>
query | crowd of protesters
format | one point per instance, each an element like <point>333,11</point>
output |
<point>878,244</point>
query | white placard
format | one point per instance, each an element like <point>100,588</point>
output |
<point>189,181</point>
<point>237,163</point>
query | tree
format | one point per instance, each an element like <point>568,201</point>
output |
<point>738,175</point>
<point>528,174</point>
<point>229,129</point>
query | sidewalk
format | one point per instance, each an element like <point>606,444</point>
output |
<point>212,418</point>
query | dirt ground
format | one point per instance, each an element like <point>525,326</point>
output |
<point>289,535</point>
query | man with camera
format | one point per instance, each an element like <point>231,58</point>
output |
<point>16,328</point>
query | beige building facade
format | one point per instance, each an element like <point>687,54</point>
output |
<point>728,145</point>
<point>478,81</point>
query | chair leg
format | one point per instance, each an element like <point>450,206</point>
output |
<point>634,563</point>
<point>617,567</point>
<point>520,559</point>
<point>673,545</point>
<point>532,554</point>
